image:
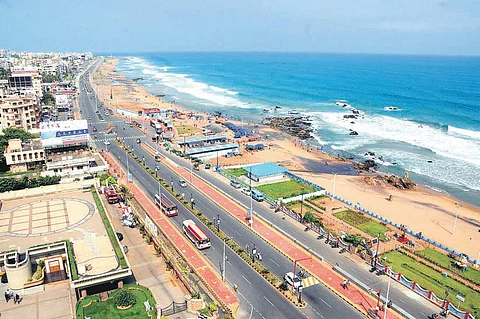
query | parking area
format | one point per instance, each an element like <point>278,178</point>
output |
<point>53,303</point>
<point>148,269</point>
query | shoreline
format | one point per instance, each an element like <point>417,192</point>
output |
<point>431,209</point>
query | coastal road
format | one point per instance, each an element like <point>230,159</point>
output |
<point>251,286</point>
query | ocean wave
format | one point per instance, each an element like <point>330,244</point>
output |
<point>184,84</point>
<point>375,127</point>
<point>392,109</point>
<point>464,132</point>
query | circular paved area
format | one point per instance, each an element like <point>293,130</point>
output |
<point>45,217</point>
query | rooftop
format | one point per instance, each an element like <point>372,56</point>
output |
<point>266,169</point>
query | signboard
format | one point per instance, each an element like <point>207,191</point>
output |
<point>460,298</point>
<point>64,133</point>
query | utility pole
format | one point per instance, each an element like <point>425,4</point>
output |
<point>301,205</point>
<point>376,252</point>
<point>224,271</point>
<point>128,167</point>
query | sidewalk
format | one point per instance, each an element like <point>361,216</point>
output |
<point>209,276</point>
<point>353,295</point>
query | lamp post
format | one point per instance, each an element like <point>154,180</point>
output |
<point>224,259</point>
<point>334,180</point>
<point>250,212</point>
<point>388,293</point>
<point>128,167</point>
<point>301,204</point>
<point>457,205</point>
<point>217,222</point>
<point>376,252</point>
<point>295,271</point>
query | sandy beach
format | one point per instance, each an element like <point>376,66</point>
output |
<point>422,210</point>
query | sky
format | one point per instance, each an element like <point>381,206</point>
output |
<point>439,27</point>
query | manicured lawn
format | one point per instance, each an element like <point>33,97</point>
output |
<point>285,189</point>
<point>433,280</point>
<point>362,222</point>
<point>295,205</point>
<point>318,201</point>
<point>182,129</point>
<point>237,172</point>
<point>110,231</point>
<point>108,310</point>
<point>447,263</point>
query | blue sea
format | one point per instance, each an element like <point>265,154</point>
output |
<point>419,114</point>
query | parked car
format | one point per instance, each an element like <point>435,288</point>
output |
<point>182,183</point>
<point>290,278</point>
<point>235,184</point>
<point>119,236</point>
<point>247,191</point>
<point>256,195</point>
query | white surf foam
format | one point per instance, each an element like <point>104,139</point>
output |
<point>184,84</point>
<point>377,127</point>
<point>464,132</point>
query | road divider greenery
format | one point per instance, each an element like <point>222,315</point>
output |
<point>277,283</point>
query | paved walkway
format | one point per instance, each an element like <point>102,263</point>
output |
<point>353,295</point>
<point>209,276</point>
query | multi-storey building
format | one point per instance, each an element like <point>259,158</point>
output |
<point>19,111</point>
<point>21,80</point>
<point>21,155</point>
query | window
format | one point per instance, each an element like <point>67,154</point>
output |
<point>13,158</point>
<point>30,156</point>
<point>36,155</point>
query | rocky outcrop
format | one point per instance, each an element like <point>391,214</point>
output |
<point>352,132</point>
<point>400,182</point>
<point>367,165</point>
<point>298,126</point>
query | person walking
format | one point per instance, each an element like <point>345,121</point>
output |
<point>18,298</point>
<point>15,299</point>
<point>7,297</point>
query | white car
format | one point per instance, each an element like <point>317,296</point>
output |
<point>246,191</point>
<point>182,183</point>
<point>289,278</point>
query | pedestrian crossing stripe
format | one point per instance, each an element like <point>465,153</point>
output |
<point>310,281</point>
<point>121,138</point>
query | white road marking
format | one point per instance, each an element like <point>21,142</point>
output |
<point>268,301</point>
<point>325,302</point>
<point>246,279</point>
<point>275,262</point>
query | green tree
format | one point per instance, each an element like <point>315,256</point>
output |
<point>4,73</point>
<point>309,217</point>
<point>47,98</point>
<point>8,134</point>
<point>50,78</point>
<point>125,298</point>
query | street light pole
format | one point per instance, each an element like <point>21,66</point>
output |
<point>250,213</point>
<point>334,180</point>
<point>456,217</point>
<point>301,205</point>
<point>388,293</point>
<point>224,271</point>
<point>128,167</point>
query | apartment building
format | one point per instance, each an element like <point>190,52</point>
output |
<point>25,79</point>
<point>22,155</point>
<point>19,111</point>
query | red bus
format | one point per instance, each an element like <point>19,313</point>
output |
<point>166,205</point>
<point>196,235</point>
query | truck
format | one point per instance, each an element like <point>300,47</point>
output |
<point>112,195</point>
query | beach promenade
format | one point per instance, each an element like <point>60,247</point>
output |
<point>208,275</point>
<point>358,298</point>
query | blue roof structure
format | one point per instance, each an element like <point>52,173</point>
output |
<point>266,169</point>
<point>197,141</point>
<point>213,148</point>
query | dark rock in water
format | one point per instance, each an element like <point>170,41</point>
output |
<point>352,122</point>
<point>357,112</point>
<point>367,165</point>
<point>394,163</point>
<point>429,161</point>
<point>353,133</point>
<point>349,116</point>
<point>380,158</point>
<point>299,126</point>
<point>400,182</point>
<point>369,153</point>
